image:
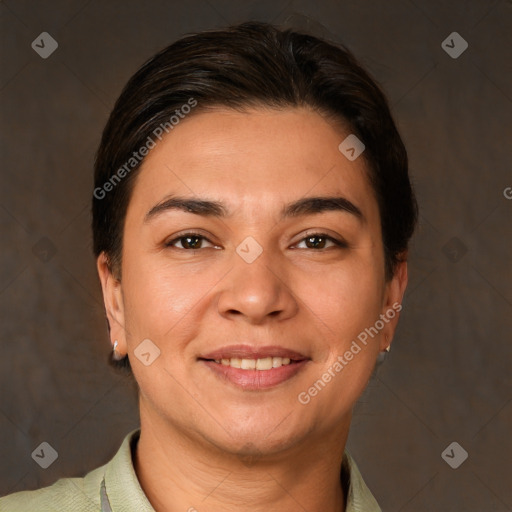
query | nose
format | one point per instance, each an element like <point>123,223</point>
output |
<point>258,291</point>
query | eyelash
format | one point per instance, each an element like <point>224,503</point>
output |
<point>336,242</point>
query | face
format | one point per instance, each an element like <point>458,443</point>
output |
<point>252,274</point>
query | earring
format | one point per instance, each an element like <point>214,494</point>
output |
<point>388,348</point>
<point>115,354</point>
<point>383,353</point>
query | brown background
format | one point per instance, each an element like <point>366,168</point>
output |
<point>448,377</point>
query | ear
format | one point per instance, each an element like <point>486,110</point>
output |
<point>392,304</point>
<point>113,299</point>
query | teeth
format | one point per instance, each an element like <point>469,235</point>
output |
<point>248,364</point>
<point>235,362</point>
<point>266,363</point>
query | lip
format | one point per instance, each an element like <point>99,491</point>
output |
<point>255,380</point>
<point>252,352</point>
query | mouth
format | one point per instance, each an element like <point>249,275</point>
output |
<point>262,364</point>
<point>254,368</point>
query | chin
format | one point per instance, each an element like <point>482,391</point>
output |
<point>257,438</point>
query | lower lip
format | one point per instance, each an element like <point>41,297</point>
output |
<point>256,379</point>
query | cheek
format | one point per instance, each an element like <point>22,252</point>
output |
<point>158,297</point>
<point>346,300</point>
<point>351,304</point>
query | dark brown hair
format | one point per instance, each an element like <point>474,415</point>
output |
<point>250,65</point>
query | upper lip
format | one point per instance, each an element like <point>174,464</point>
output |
<point>253,352</point>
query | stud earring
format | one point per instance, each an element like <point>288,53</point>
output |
<point>115,354</point>
<point>388,348</point>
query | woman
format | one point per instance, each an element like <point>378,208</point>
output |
<point>251,216</point>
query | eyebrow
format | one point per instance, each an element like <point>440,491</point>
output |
<point>302,207</point>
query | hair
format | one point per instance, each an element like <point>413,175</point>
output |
<point>258,65</point>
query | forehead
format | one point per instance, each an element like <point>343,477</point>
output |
<point>249,158</point>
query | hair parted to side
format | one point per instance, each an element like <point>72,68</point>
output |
<point>253,64</point>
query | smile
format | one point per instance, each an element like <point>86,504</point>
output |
<point>263,364</point>
<point>255,374</point>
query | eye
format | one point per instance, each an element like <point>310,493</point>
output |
<point>194,241</point>
<point>318,241</point>
<point>188,241</point>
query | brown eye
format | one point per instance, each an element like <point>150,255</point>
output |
<point>188,241</point>
<point>318,241</point>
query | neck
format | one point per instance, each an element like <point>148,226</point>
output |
<point>182,472</point>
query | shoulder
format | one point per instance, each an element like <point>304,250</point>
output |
<point>86,494</point>
<point>69,494</point>
<point>358,495</point>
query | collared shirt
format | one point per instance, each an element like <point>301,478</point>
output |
<point>114,487</point>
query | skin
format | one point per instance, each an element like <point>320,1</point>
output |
<point>206,443</point>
